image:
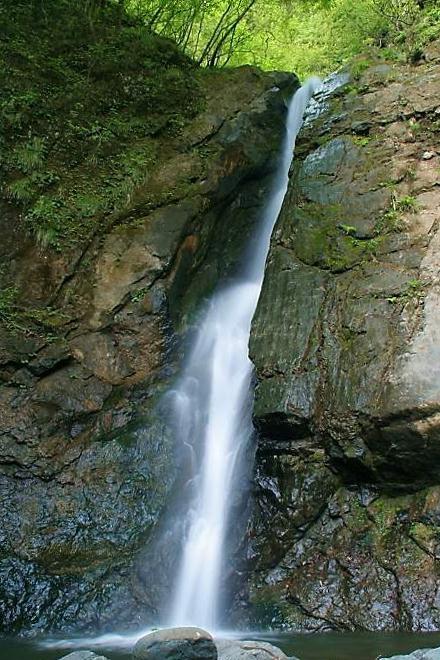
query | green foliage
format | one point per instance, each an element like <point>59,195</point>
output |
<point>139,294</point>
<point>415,290</point>
<point>348,229</point>
<point>86,93</point>
<point>67,216</point>
<point>409,25</point>
<point>358,67</point>
<point>311,38</point>
<point>211,31</point>
<point>306,36</point>
<point>392,219</point>
<point>414,126</point>
<point>407,203</point>
<point>400,14</point>
<point>7,307</point>
<point>29,155</point>
<point>361,141</point>
<point>411,174</point>
<point>429,25</point>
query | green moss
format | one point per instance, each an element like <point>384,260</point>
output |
<point>127,437</point>
<point>352,90</point>
<point>8,313</point>
<point>269,607</point>
<point>349,230</point>
<point>425,534</point>
<point>318,456</point>
<point>19,319</point>
<point>357,518</point>
<point>324,239</point>
<point>361,141</point>
<point>390,515</point>
<point>388,183</point>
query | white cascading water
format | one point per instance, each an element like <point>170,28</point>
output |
<point>213,408</point>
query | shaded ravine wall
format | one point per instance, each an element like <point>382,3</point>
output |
<point>346,530</point>
<point>87,463</point>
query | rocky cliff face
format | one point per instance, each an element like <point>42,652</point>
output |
<point>346,345</point>
<point>88,335</point>
<point>345,532</point>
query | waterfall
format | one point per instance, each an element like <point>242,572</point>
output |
<point>213,408</point>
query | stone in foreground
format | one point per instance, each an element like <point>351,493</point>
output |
<point>83,655</point>
<point>421,654</point>
<point>176,644</point>
<point>238,650</point>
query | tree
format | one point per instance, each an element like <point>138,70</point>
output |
<point>209,30</point>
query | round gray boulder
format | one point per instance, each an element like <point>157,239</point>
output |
<point>421,654</point>
<point>237,650</point>
<point>176,644</point>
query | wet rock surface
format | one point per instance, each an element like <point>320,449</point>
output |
<point>247,650</point>
<point>176,644</point>
<point>345,342</point>
<point>422,654</point>
<point>87,458</point>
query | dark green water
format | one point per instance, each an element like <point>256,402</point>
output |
<point>329,646</point>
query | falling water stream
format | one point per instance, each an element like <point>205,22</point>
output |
<point>213,408</point>
<point>212,412</point>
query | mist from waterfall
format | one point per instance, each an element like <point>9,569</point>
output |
<point>213,409</point>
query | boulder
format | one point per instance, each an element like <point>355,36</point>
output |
<point>248,650</point>
<point>420,654</point>
<point>176,644</point>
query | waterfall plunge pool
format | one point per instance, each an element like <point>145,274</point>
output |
<point>325,646</point>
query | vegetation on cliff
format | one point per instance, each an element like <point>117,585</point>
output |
<point>88,89</point>
<point>85,95</point>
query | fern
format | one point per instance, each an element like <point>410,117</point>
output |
<point>30,155</point>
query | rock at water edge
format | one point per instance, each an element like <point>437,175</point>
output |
<point>83,655</point>
<point>247,650</point>
<point>176,644</point>
<point>420,654</point>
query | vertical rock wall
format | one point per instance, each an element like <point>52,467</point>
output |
<point>346,345</point>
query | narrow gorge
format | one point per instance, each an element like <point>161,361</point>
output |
<point>151,472</point>
<point>84,429</point>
